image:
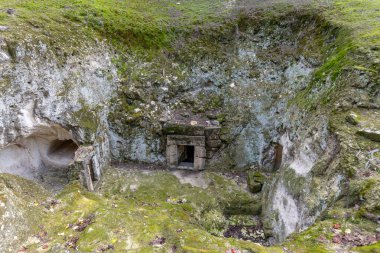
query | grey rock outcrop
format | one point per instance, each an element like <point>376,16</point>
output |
<point>49,98</point>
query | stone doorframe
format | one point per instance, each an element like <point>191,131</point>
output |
<point>173,141</point>
<point>85,167</point>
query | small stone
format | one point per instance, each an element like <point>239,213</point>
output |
<point>193,122</point>
<point>253,167</point>
<point>352,119</point>
<point>185,114</point>
<point>255,181</point>
<point>347,231</point>
<point>204,69</point>
<point>214,122</point>
<point>4,57</point>
<point>11,11</point>
<point>3,28</point>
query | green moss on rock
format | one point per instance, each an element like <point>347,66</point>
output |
<point>255,181</point>
<point>133,208</point>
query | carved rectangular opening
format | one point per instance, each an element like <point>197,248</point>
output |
<point>186,154</point>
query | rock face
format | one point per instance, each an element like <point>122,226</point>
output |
<point>50,105</point>
<point>244,87</point>
<point>56,104</point>
<point>247,86</point>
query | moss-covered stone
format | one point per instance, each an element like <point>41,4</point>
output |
<point>87,118</point>
<point>21,210</point>
<point>373,135</point>
<point>352,118</point>
<point>255,181</point>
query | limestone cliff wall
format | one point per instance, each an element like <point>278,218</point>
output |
<point>247,80</point>
<point>48,96</point>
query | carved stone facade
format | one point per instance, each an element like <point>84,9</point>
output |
<point>189,146</point>
<point>186,152</point>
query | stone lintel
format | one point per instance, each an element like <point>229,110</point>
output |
<point>186,140</point>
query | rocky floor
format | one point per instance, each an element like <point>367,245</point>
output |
<point>140,208</point>
<point>144,210</point>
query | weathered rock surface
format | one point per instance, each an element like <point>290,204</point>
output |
<point>48,98</point>
<point>260,84</point>
<point>372,134</point>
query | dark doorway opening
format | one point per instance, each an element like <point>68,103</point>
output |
<point>189,156</point>
<point>186,156</point>
<point>277,156</point>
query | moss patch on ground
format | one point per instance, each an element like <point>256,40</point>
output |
<point>328,234</point>
<point>134,210</point>
<point>21,208</point>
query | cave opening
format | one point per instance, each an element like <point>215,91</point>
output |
<point>56,157</point>
<point>62,151</point>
